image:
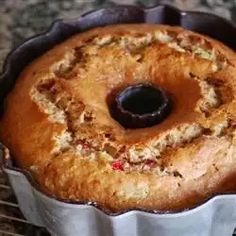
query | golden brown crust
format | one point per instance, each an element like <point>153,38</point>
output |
<point>57,122</point>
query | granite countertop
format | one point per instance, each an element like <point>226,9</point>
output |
<point>20,19</point>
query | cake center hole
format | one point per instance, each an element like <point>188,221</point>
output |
<point>141,100</point>
<point>139,106</point>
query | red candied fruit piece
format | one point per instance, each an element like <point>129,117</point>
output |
<point>117,165</point>
<point>86,145</point>
<point>150,163</point>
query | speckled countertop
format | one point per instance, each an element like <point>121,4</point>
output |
<point>20,19</point>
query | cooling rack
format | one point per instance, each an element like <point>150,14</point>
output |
<point>12,222</point>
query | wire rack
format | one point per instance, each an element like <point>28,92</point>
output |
<point>12,222</point>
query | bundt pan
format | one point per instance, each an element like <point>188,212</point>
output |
<point>215,217</point>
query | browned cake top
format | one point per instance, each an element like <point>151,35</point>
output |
<point>64,97</point>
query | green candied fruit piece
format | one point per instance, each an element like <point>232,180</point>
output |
<point>205,54</point>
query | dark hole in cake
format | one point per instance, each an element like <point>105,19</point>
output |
<point>177,174</point>
<point>141,100</point>
<point>140,106</point>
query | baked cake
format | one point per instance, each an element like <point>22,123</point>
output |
<point>58,122</point>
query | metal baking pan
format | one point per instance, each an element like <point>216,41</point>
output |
<point>215,217</point>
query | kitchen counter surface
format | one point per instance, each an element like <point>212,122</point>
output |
<point>20,19</point>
